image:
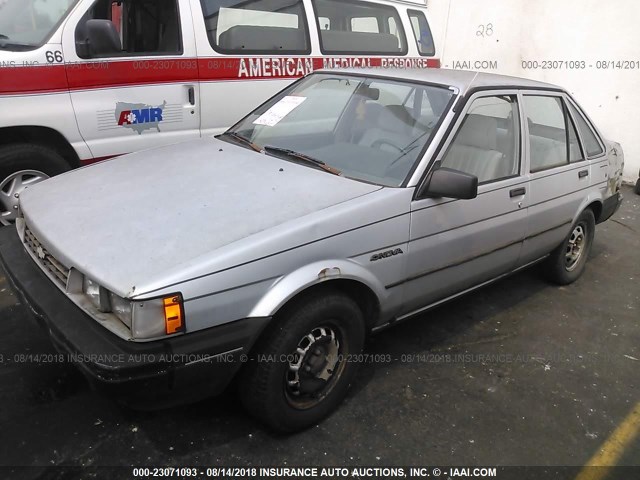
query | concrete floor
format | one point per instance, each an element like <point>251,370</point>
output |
<point>548,374</point>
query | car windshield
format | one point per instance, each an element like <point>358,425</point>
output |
<point>28,24</point>
<point>369,129</point>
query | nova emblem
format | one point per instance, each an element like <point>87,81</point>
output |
<point>40,253</point>
<point>387,254</point>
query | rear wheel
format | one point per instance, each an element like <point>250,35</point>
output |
<point>637,189</point>
<point>301,369</point>
<point>567,262</point>
<point>21,166</point>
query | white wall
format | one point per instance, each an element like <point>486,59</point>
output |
<point>555,30</point>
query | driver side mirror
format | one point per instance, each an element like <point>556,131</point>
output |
<point>101,38</point>
<point>449,183</point>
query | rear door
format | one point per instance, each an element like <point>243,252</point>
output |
<point>558,172</point>
<point>143,92</point>
<point>457,244</point>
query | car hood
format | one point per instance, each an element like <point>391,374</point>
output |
<point>127,221</point>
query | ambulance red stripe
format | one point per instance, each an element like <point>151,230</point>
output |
<point>24,80</point>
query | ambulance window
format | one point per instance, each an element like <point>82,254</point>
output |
<point>139,27</point>
<point>422,33</point>
<point>256,26</point>
<point>393,27</point>
<point>365,24</point>
<point>325,23</point>
<point>357,28</point>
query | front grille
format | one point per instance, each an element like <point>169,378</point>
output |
<point>48,261</point>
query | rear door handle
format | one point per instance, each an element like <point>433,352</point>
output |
<point>517,192</point>
<point>192,96</point>
<point>583,173</point>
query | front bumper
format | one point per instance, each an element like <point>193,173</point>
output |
<point>145,375</point>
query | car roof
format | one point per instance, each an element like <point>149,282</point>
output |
<point>463,80</point>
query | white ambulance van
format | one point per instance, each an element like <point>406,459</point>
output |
<point>86,80</point>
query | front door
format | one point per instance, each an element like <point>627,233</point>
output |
<point>138,88</point>
<point>457,244</point>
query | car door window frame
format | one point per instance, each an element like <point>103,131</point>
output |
<point>590,125</point>
<point>442,147</point>
<point>518,147</point>
<point>567,117</point>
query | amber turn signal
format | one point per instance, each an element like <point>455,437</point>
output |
<point>173,314</point>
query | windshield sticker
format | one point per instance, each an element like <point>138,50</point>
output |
<point>275,114</point>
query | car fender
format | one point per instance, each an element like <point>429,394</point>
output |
<point>592,197</point>
<point>314,274</point>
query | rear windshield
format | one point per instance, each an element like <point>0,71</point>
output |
<point>256,26</point>
<point>354,27</point>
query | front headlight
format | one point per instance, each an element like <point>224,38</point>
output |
<point>147,319</point>
<point>121,308</point>
<point>97,295</point>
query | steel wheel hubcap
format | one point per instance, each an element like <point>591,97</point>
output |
<point>10,190</point>
<point>575,247</point>
<point>313,364</point>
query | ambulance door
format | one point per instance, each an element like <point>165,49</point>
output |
<point>133,74</point>
<point>248,50</point>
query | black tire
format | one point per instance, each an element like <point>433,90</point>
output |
<point>637,189</point>
<point>263,385</point>
<point>559,268</point>
<point>19,157</point>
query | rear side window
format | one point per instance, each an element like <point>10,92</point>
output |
<point>256,26</point>
<point>591,143</point>
<point>422,33</point>
<point>354,27</point>
<point>553,141</point>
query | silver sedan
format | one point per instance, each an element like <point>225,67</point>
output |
<point>348,202</point>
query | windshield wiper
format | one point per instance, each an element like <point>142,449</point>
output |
<point>3,37</point>
<point>242,139</point>
<point>305,158</point>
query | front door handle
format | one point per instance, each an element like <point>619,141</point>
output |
<point>583,173</point>
<point>192,96</point>
<point>517,192</point>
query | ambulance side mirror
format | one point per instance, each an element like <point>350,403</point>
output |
<point>101,39</point>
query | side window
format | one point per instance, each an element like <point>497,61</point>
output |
<point>487,144</point>
<point>129,28</point>
<point>257,26</point>
<point>365,24</point>
<point>553,141</point>
<point>422,33</point>
<point>357,27</point>
<point>591,143</point>
<point>575,150</point>
<point>324,23</point>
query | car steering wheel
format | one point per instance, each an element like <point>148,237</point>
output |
<point>378,143</point>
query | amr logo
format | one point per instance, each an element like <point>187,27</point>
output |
<point>138,116</point>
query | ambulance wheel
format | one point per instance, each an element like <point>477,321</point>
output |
<point>21,166</point>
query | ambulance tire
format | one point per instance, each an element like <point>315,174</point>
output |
<point>22,165</point>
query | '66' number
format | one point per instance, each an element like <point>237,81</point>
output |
<point>54,57</point>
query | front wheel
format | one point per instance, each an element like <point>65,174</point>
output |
<point>300,371</point>
<point>22,166</point>
<point>637,189</point>
<point>567,262</point>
